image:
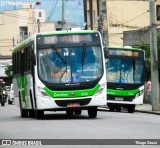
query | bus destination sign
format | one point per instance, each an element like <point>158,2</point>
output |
<point>130,53</point>
<point>73,38</point>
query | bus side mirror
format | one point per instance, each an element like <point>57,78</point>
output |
<point>33,58</point>
<point>106,52</point>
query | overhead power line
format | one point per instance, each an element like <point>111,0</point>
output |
<point>7,46</point>
<point>17,16</point>
<point>53,8</point>
<point>134,18</point>
<point>5,39</point>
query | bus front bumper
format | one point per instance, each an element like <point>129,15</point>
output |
<point>46,103</point>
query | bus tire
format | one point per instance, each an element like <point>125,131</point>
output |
<point>9,102</point>
<point>69,112</point>
<point>131,108</point>
<point>31,113</point>
<point>39,114</point>
<point>118,108</point>
<point>2,104</point>
<point>78,112</point>
<point>24,112</point>
<point>111,107</point>
<point>92,112</point>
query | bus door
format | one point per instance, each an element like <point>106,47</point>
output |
<point>23,79</point>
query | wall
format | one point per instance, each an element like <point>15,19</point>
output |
<point>137,37</point>
<point>124,15</point>
<point>12,20</point>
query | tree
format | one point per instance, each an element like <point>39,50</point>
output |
<point>158,50</point>
<point>147,61</point>
<point>8,72</point>
<point>146,47</point>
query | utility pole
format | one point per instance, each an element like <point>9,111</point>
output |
<point>38,24</point>
<point>62,22</point>
<point>14,8</point>
<point>13,42</point>
<point>91,13</point>
<point>154,57</point>
<point>100,20</point>
<point>104,33</point>
<point>85,13</point>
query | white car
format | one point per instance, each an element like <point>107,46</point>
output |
<point>10,95</point>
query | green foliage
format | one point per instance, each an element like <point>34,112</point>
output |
<point>146,47</point>
<point>8,71</point>
<point>158,50</point>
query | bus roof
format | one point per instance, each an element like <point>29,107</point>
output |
<point>24,43</point>
<point>68,32</point>
<point>124,47</point>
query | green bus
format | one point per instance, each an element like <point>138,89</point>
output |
<point>60,71</point>
<point>125,78</point>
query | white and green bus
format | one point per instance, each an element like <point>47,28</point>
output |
<point>125,78</point>
<point>60,71</point>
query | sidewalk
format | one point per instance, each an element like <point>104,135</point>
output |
<point>146,108</point>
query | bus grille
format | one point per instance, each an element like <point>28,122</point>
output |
<point>64,103</point>
<point>113,98</point>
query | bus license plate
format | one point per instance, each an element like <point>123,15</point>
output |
<point>71,105</point>
<point>118,99</point>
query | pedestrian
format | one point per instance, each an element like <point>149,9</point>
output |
<point>149,90</point>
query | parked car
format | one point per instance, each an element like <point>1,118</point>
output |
<point>10,95</point>
<point>7,88</point>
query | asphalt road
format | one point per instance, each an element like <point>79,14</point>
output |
<point>57,125</point>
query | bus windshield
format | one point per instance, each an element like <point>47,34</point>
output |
<point>70,65</point>
<point>125,71</point>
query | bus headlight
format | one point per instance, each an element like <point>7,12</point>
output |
<point>100,90</point>
<point>43,93</point>
<point>139,94</point>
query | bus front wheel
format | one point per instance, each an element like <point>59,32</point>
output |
<point>31,113</point>
<point>39,114</point>
<point>2,104</point>
<point>69,112</point>
<point>111,107</point>
<point>92,112</point>
<point>131,108</point>
<point>24,112</point>
<point>118,108</point>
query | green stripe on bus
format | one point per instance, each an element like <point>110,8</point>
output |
<point>23,44</point>
<point>122,48</point>
<point>72,94</point>
<point>67,32</point>
<point>22,85</point>
<point>122,92</point>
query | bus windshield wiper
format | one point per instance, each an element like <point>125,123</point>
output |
<point>83,55</point>
<point>134,70</point>
<point>63,73</point>
<point>59,55</point>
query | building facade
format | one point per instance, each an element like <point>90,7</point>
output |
<point>141,36</point>
<point>17,25</point>
<point>119,16</point>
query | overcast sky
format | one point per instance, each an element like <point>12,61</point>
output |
<point>73,9</point>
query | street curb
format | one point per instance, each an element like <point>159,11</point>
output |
<point>142,111</point>
<point>148,112</point>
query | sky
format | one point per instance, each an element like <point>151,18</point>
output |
<point>53,8</point>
